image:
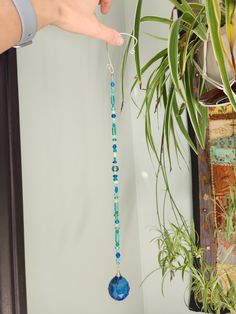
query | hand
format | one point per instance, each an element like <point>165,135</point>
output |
<point>77,16</point>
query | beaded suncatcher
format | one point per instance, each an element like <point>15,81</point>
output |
<point>118,287</point>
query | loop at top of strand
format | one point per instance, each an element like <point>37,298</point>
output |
<point>110,65</point>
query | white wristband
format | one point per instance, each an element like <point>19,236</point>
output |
<point>28,21</point>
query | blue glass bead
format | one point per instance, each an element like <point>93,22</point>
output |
<point>118,255</point>
<point>117,236</point>
<point>113,129</point>
<point>117,221</point>
<point>115,168</point>
<point>112,84</point>
<point>115,177</point>
<point>116,189</point>
<point>113,116</point>
<point>114,148</point>
<point>114,161</point>
<point>118,288</point>
<point>113,100</point>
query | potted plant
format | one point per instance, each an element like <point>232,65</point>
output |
<point>181,80</point>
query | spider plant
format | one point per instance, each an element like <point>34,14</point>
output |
<point>175,77</point>
<point>177,80</point>
<point>228,215</point>
<point>208,288</point>
<point>180,253</point>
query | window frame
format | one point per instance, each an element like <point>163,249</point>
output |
<point>13,298</point>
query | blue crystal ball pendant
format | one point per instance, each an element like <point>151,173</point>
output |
<point>119,288</point>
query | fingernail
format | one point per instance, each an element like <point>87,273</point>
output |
<point>120,41</point>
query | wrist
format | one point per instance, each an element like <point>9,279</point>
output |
<point>46,11</point>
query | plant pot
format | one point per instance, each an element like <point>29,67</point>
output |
<point>208,64</point>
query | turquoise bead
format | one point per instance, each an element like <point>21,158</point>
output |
<point>117,236</point>
<point>115,168</point>
<point>114,148</point>
<point>113,129</point>
<point>113,100</point>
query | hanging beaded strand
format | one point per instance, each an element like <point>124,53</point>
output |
<point>115,169</point>
<point>118,287</point>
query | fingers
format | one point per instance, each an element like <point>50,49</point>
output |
<point>105,6</point>
<point>107,34</point>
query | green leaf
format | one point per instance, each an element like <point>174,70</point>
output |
<point>191,104</point>
<point>187,42</point>
<point>173,46</point>
<point>227,254</point>
<point>214,27</point>
<point>177,5</point>
<point>182,127</point>
<point>156,37</point>
<point>154,59</point>
<point>123,70</point>
<point>156,19</point>
<point>230,18</point>
<point>136,34</point>
<point>230,21</point>
<point>167,118</point>
<point>200,29</point>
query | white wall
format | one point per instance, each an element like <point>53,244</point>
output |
<point>66,150</point>
<point>67,178</point>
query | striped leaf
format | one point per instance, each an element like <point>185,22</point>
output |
<point>214,27</point>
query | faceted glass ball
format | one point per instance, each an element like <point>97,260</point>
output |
<point>119,288</point>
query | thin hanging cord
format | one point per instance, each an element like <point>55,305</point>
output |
<point>110,65</point>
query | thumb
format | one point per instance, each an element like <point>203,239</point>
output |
<point>105,33</point>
